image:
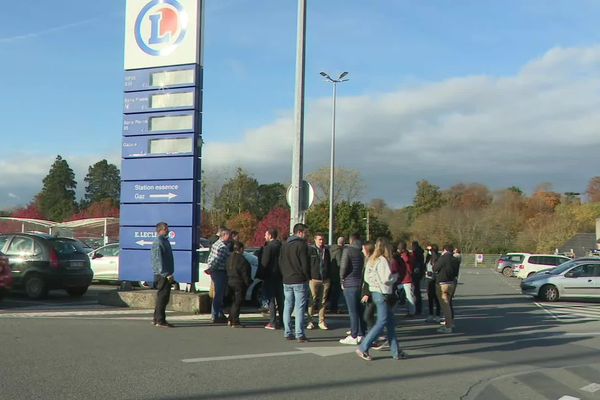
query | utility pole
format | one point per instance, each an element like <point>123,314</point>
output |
<point>296,211</point>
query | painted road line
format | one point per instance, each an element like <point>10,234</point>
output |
<point>592,388</point>
<point>569,398</point>
<point>319,351</point>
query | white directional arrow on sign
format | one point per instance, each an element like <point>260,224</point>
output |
<point>168,196</point>
<point>318,351</point>
<point>145,242</point>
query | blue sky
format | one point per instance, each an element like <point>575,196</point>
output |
<point>62,69</point>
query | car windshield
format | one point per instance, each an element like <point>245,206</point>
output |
<point>66,247</point>
<point>562,267</point>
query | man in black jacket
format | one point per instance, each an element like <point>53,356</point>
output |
<point>272,280</point>
<point>336,251</point>
<point>445,279</point>
<point>294,263</point>
<point>320,284</point>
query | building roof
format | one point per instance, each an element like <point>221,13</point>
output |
<point>580,244</point>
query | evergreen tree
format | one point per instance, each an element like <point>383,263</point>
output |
<point>103,182</point>
<point>57,198</point>
<point>428,198</point>
<point>238,194</point>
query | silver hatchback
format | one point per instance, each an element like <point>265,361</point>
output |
<point>578,278</point>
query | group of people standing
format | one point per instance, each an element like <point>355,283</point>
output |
<point>302,281</point>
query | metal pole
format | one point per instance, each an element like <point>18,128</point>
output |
<point>332,167</point>
<point>296,211</point>
<point>368,227</point>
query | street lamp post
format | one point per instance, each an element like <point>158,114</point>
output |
<point>341,78</point>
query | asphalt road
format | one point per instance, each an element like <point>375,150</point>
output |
<point>505,346</point>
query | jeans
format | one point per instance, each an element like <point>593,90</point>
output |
<point>369,315</point>
<point>432,297</point>
<point>385,319</point>
<point>445,292</point>
<point>219,279</point>
<point>162,299</point>
<point>418,298</point>
<point>295,299</point>
<point>357,325</point>
<point>274,292</point>
<point>334,295</point>
<point>319,295</point>
<point>410,297</point>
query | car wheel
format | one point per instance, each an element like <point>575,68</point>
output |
<point>549,293</point>
<point>507,271</point>
<point>35,287</point>
<point>77,291</point>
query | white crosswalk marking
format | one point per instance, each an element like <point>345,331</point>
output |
<point>592,388</point>
<point>572,312</point>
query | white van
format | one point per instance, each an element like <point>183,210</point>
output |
<point>533,263</point>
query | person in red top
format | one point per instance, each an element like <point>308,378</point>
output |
<point>407,277</point>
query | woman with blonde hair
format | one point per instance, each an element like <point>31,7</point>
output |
<point>382,283</point>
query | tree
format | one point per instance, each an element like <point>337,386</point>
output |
<point>32,211</point>
<point>348,184</point>
<point>238,194</point>
<point>57,198</point>
<point>427,198</point>
<point>245,223</point>
<point>349,218</point>
<point>593,190</point>
<point>278,218</point>
<point>270,196</point>
<point>99,209</point>
<point>103,182</point>
<point>468,197</point>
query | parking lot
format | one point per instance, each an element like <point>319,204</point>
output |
<point>506,346</point>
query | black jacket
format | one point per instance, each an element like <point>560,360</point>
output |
<point>352,266</point>
<point>238,270</point>
<point>320,263</point>
<point>269,260</point>
<point>445,268</point>
<point>294,261</point>
<point>336,261</point>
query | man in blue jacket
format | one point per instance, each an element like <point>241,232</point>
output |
<point>163,266</point>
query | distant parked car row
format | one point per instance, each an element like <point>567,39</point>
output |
<point>551,277</point>
<point>578,278</point>
<point>105,264</point>
<point>523,265</point>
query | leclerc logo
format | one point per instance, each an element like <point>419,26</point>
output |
<point>160,27</point>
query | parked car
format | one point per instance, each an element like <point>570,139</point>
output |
<point>105,262</point>
<point>578,278</point>
<point>508,261</point>
<point>6,279</point>
<point>254,292</point>
<point>42,262</point>
<point>533,263</point>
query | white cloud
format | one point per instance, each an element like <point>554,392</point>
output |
<point>539,125</point>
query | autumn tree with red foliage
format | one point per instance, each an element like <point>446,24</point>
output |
<point>99,209</point>
<point>245,224</point>
<point>278,218</point>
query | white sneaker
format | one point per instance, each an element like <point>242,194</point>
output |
<point>350,340</point>
<point>310,326</point>
<point>359,339</point>
<point>348,332</point>
<point>323,325</point>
